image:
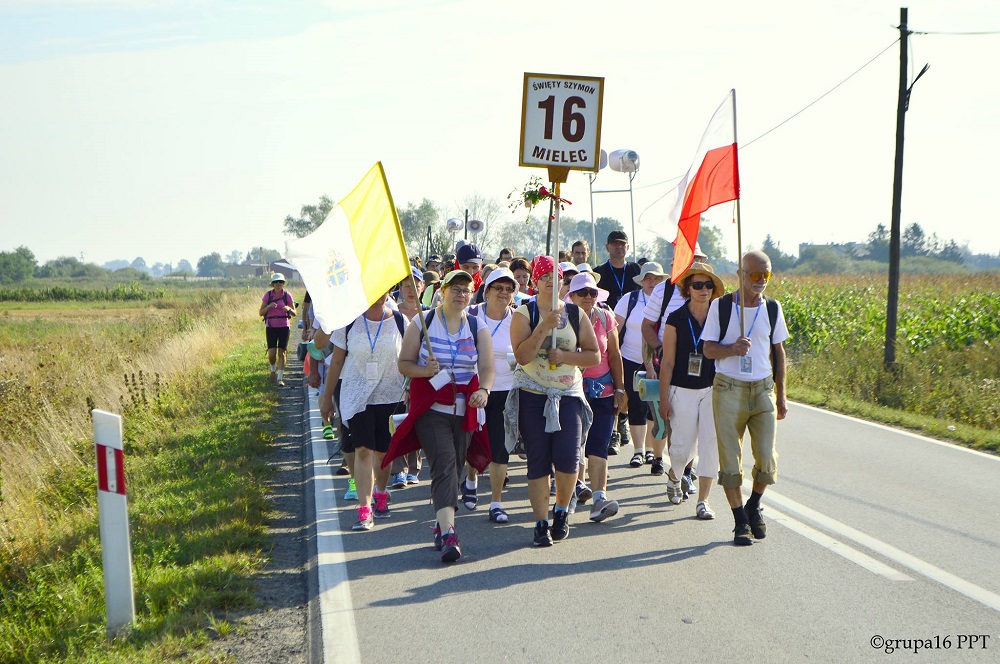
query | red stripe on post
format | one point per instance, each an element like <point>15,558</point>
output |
<point>113,482</point>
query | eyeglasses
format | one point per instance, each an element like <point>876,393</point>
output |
<point>464,292</point>
<point>586,292</point>
<point>504,289</point>
<point>758,276</point>
<point>544,277</point>
<point>699,285</point>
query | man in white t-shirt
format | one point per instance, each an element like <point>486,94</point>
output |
<point>749,388</point>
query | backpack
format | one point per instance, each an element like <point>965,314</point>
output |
<point>397,316</point>
<point>726,312</point>
<point>572,313</point>
<point>473,327</point>
<point>667,296</point>
<point>285,296</point>
<point>633,299</point>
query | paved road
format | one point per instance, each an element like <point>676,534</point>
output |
<point>873,534</point>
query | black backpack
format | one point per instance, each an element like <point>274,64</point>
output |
<point>473,327</point>
<point>285,296</point>
<point>633,299</point>
<point>726,312</point>
<point>572,313</point>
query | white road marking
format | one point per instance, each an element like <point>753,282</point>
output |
<point>951,446</point>
<point>340,635</point>
<point>921,567</point>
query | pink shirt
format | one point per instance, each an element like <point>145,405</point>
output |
<point>602,343</point>
<point>277,317</point>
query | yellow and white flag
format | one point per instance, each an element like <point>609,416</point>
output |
<point>355,256</point>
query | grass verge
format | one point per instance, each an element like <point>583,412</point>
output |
<point>198,511</point>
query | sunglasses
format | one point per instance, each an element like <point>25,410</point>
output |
<point>586,292</point>
<point>700,285</point>
<point>758,276</point>
<point>504,289</point>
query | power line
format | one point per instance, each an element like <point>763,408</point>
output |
<point>954,34</point>
<point>794,115</point>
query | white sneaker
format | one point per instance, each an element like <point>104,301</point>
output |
<point>704,512</point>
<point>603,509</point>
<point>674,492</point>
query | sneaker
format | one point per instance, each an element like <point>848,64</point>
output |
<point>614,443</point>
<point>381,505</point>
<point>742,535</point>
<point>657,467</point>
<point>469,497</point>
<point>398,481</point>
<point>343,470</point>
<point>560,526</point>
<point>756,519</point>
<point>328,432</point>
<point>637,460</point>
<point>352,490</point>
<point>438,539</point>
<point>704,511</point>
<point>542,536</point>
<point>412,479</point>
<point>519,449</point>
<point>450,551</point>
<point>573,501</point>
<point>281,383</point>
<point>603,509</point>
<point>674,491</point>
<point>623,432</point>
<point>649,457</point>
<point>365,520</point>
<point>273,377</point>
<point>582,492</point>
<point>688,485</point>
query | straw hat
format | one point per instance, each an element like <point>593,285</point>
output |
<point>706,270</point>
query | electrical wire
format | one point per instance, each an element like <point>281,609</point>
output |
<point>953,34</point>
<point>791,117</point>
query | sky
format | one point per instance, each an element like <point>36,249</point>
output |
<point>170,129</point>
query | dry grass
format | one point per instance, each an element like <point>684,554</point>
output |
<point>53,371</point>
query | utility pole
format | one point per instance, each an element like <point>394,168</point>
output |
<point>897,195</point>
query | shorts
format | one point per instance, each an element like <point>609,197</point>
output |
<point>605,418</point>
<point>558,448</point>
<point>495,407</point>
<point>370,427</point>
<point>277,337</point>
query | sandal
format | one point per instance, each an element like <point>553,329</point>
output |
<point>497,515</point>
<point>637,460</point>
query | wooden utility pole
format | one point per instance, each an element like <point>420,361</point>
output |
<point>897,195</point>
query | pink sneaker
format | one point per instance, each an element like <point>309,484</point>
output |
<point>365,520</point>
<point>450,551</point>
<point>381,505</point>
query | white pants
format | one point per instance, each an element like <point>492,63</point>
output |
<point>691,421</point>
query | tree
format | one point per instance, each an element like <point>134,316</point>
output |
<point>414,221</point>
<point>878,244</point>
<point>234,257</point>
<point>211,265</point>
<point>309,219</point>
<point>69,267</point>
<point>914,242</point>
<point>952,252</point>
<point>116,265</point>
<point>17,265</point>
<point>780,261</point>
<point>184,266</point>
<point>139,264</point>
<point>261,256</point>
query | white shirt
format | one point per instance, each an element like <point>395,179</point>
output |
<point>503,374</point>
<point>652,311</point>
<point>632,342</point>
<point>758,329</point>
<point>357,391</point>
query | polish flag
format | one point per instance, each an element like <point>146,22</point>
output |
<point>713,178</point>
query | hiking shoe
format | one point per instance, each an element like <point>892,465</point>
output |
<point>756,519</point>
<point>637,460</point>
<point>614,443</point>
<point>412,479</point>
<point>398,481</point>
<point>603,509</point>
<point>343,470</point>
<point>704,511</point>
<point>352,490</point>
<point>450,551</point>
<point>582,492</point>
<point>688,485</point>
<point>623,432</point>
<point>674,491</point>
<point>438,539</point>
<point>649,458</point>
<point>328,432</point>
<point>560,525</point>
<point>656,468</point>
<point>542,536</point>
<point>469,497</point>
<point>742,535</point>
<point>381,505</point>
<point>365,520</point>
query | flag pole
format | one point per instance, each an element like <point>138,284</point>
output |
<point>739,235</point>
<point>558,175</point>
<point>420,315</point>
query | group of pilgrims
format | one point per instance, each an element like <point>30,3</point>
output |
<point>534,359</point>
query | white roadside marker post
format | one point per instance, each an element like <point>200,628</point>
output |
<point>112,508</point>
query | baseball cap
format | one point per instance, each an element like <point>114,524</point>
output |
<point>433,258</point>
<point>617,236</point>
<point>469,253</point>
<point>456,275</point>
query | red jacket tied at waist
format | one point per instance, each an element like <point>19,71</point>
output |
<point>422,397</point>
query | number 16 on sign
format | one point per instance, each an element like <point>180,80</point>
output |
<point>561,121</point>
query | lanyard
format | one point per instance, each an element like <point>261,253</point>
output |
<point>447,335</point>
<point>698,340</point>
<point>377,331</point>
<point>620,283</point>
<point>754,316</point>
<point>505,314</point>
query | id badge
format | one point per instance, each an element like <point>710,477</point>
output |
<point>440,379</point>
<point>746,364</point>
<point>371,371</point>
<point>694,364</point>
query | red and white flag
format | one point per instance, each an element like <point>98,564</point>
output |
<point>714,177</point>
